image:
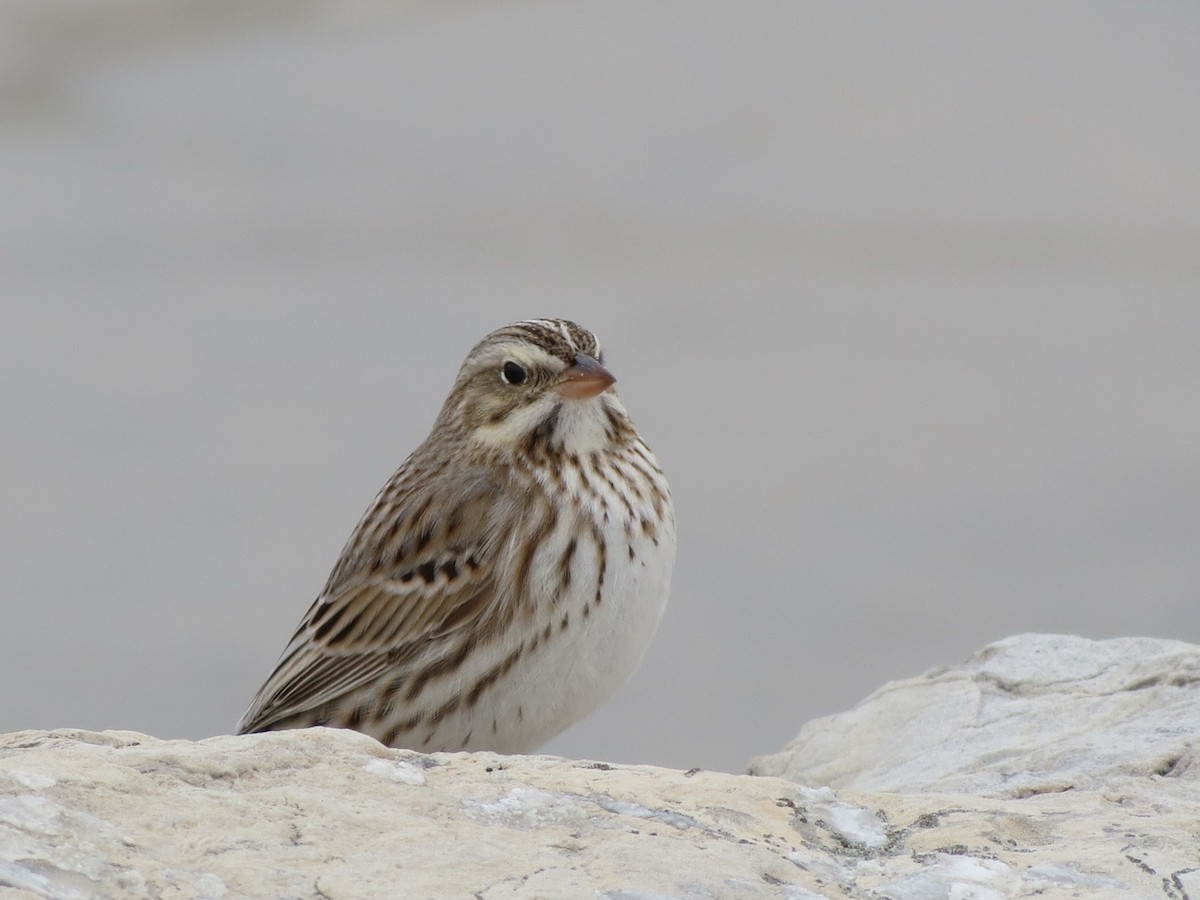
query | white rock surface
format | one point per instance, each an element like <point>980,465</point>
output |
<point>1029,714</point>
<point>332,814</point>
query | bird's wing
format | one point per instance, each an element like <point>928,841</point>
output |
<point>406,589</point>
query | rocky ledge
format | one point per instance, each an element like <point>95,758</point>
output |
<point>1043,766</point>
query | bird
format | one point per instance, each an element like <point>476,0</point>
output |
<point>506,580</point>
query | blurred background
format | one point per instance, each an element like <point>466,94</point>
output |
<point>906,297</point>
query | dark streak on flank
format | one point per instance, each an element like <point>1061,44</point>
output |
<point>492,677</point>
<point>400,728</point>
<point>440,667</point>
<point>444,710</point>
<point>601,562</point>
<point>395,686</point>
<point>564,568</point>
<point>648,530</point>
<point>528,549</point>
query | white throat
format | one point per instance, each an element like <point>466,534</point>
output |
<point>581,426</point>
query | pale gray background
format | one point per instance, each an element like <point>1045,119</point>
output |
<point>905,296</point>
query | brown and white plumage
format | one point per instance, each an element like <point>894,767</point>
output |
<point>508,577</point>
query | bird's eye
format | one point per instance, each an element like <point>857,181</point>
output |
<point>512,373</point>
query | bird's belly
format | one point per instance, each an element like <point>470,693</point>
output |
<point>573,651</point>
<point>574,672</point>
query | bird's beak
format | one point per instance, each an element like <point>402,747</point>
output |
<point>587,378</point>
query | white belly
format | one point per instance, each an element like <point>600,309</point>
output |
<point>574,647</point>
<point>579,667</point>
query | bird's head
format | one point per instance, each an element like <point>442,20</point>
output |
<point>536,385</point>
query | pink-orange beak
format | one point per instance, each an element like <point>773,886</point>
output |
<point>587,378</point>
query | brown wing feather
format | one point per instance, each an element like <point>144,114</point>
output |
<point>378,613</point>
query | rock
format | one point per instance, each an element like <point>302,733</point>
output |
<point>327,813</point>
<point>1042,756</point>
<point>1028,715</point>
<point>333,814</point>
